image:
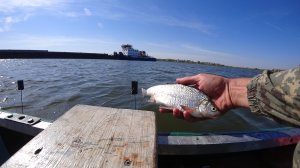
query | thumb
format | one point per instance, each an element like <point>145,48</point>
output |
<point>187,80</point>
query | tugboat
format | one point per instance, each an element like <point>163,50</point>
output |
<point>129,53</point>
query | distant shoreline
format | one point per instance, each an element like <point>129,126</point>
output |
<point>45,54</point>
<point>211,64</point>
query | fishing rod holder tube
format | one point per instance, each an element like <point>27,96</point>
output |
<point>134,87</point>
<point>134,91</point>
<point>20,85</point>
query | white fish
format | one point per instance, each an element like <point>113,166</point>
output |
<point>184,98</point>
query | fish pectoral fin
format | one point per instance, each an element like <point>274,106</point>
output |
<point>187,109</point>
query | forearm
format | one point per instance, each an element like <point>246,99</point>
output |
<point>276,95</point>
<point>237,88</point>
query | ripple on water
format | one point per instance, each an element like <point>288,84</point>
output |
<point>54,86</point>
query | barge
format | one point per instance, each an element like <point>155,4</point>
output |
<point>128,53</point>
<point>38,54</point>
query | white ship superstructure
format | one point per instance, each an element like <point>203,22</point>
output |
<point>131,52</point>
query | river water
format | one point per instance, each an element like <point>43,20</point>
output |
<point>52,86</point>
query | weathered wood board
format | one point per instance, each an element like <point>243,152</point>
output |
<point>89,136</point>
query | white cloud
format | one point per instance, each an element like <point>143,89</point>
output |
<point>70,14</point>
<point>159,45</point>
<point>274,26</point>
<point>13,5</point>
<point>205,52</point>
<point>14,11</point>
<point>6,22</point>
<point>188,50</point>
<point>175,50</point>
<point>173,21</point>
<point>60,43</point>
<point>151,13</point>
<point>73,14</point>
<point>116,10</point>
<point>87,12</point>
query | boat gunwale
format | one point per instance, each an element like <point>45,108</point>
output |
<point>189,143</point>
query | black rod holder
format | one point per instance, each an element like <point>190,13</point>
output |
<point>21,87</point>
<point>134,87</point>
<point>134,91</point>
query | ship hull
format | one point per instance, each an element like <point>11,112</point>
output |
<point>122,57</point>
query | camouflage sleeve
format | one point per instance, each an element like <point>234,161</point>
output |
<point>276,95</point>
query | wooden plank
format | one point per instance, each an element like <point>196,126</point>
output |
<point>89,136</point>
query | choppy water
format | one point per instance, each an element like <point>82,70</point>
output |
<point>54,86</point>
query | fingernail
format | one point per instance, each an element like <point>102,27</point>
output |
<point>186,115</point>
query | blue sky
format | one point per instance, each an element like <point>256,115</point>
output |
<point>254,33</point>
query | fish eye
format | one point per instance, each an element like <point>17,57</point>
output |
<point>213,109</point>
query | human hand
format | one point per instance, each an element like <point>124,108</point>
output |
<point>225,93</point>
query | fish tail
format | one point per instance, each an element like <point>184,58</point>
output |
<point>144,92</point>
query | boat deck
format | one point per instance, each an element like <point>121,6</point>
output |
<point>89,136</point>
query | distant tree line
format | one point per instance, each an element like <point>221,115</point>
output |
<point>203,63</point>
<point>191,62</point>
